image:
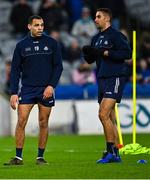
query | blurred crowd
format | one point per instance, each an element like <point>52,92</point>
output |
<point>71,23</point>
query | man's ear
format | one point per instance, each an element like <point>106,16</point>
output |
<point>29,26</point>
<point>108,18</point>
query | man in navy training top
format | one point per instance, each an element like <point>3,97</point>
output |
<point>37,64</point>
<point>110,49</point>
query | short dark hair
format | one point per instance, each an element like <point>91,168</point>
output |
<point>30,19</point>
<point>107,11</point>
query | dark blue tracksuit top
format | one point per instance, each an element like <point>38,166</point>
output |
<point>119,50</point>
<point>37,61</point>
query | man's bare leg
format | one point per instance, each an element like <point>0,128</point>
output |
<point>23,114</point>
<point>44,113</point>
<point>106,114</point>
<point>113,119</point>
<point>105,109</point>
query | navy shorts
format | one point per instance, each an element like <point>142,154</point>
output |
<point>34,95</point>
<point>111,88</point>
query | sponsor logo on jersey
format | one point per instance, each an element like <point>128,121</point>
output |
<point>27,49</point>
<point>35,42</point>
<point>51,101</point>
<point>108,93</point>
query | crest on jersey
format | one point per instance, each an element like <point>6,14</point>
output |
<point>36,48</point>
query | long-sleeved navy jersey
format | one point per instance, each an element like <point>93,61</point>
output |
<point>37,61</point>
<point>119,50</point>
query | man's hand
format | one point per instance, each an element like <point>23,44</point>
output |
<point>48,92</point>
<point>92,53</point>
<point>86,49</point>
<point>89,56</point>
<point>14,101</point>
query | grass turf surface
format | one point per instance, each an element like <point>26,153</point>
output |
<point>73,157</point>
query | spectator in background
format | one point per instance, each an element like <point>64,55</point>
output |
<point>71,61</point>
<point>83,75</point>
<point>74,8</point>
<point>73,52</point>
<point>144,71</point>
<point>143,59</point>
<point>71,55</point>
<point>56,35</point>
<point>84,28</point>
<point>53,15</point>
<point>145,47</point>
<point>19,15</point>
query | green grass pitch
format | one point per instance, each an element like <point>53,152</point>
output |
<point>73,157</point>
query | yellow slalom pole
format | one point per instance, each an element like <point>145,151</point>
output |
<point>118,125</point>
<point>134,86</point>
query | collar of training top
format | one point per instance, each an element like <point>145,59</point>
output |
<point>35,38</point>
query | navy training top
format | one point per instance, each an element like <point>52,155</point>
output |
<point>37,61</point>
<point>119,51</point>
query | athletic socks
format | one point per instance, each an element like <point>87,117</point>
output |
<point>19,153</point>
<point>116,150</point>
<point>110,147</point>
<point>40,152</point>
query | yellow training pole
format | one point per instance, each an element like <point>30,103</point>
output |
<point>118,125</point>
<point>134,86</point>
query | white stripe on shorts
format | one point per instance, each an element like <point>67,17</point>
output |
<point>116,85</point>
